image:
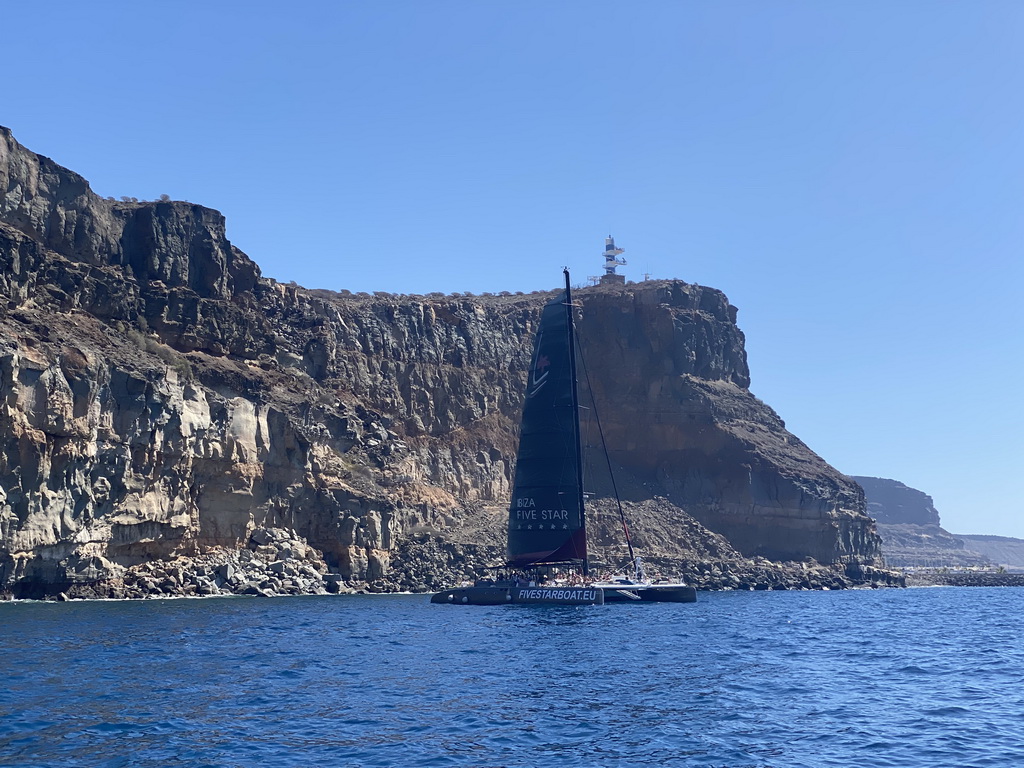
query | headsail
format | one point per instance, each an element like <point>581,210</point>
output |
<point>546,522</point>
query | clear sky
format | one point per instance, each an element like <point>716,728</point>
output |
<point>851,174</point>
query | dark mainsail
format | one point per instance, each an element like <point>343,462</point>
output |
<point>545,520</point>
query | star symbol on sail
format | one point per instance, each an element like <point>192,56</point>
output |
<point>565,527</point>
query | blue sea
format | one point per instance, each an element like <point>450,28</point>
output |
<point>916,677</point>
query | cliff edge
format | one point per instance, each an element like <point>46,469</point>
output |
<point>174,423</point>
<point>911,531</point>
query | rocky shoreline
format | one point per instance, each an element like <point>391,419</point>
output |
<point>278,562</point>
<point>956,578</point>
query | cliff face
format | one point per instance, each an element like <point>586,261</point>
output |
<point>161,401</point>
<point>909,525</point>
<point>180,244</point>
<point>893,503</point>
<point>670,376</point>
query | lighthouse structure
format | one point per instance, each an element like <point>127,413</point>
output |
<point>611,261</point>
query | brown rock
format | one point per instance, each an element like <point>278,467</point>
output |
<point>163,402</point>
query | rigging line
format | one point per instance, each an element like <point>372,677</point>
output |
<point>571,335</point>
<point>604,445</point>
<point>588,452</point>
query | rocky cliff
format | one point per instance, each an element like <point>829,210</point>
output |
<point>891,502</point>
<point>911,531</point>
<point>172,421</point>
<point>670,377</point>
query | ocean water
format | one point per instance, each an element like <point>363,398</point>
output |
<point>917,677</point>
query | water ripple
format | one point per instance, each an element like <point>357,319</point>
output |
<point>739,680</point>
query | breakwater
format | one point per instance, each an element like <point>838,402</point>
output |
<point>950,578</point>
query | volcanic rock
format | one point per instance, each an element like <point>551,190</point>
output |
<point>909,525</point>
<point>164,406</point>
<point>893,503</point>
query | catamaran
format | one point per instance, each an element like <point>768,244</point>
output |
<point>547,531</point>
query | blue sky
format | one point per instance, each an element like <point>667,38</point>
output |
<point>850,174</point>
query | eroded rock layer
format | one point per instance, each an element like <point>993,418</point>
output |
<point>912,536</point>
<point>162,403</point>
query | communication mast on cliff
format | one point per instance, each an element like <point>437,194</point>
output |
<point>611,261</point>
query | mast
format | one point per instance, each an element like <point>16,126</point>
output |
<point>576,412</point>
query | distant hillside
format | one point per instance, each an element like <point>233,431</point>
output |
<point>926,546</point>
<point>1001,550</point>
<point>892,503</point>
<point>909,525</point>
